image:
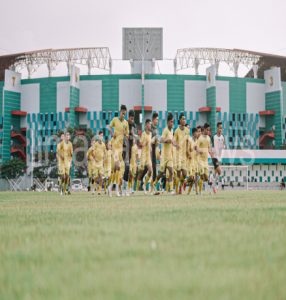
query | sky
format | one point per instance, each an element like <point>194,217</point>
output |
<point>36,24</point>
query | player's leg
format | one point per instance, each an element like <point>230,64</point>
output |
<point>100,184</point>
<point>93,182</point>
<point>148,176</point>
<point>61,178</point>
<point>170,179</point>
<point>160,175</point>
<point>201,183</point>
<point>117,178</point>
<point>112,179</point>
<point>191,179</point>
<point>142,171</point>
<point>217,173</point>
<point>205,175</point>
<point>176,179</point>
<point>122,182</point>
<point>110,183</point>
<point>130,179</point>
<point>154,171</point>
<point>182,178</point>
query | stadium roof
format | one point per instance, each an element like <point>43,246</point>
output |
<point>192,57</point>
<point>266,61</point>
<point>98,57</point>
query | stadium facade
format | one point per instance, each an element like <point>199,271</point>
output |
<point>252,111</point>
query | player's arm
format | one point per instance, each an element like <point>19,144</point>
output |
<point>110,126</point>
<point>88,154</point>
<point>158,154</point>
<point>137,156</point>
<point>70,151</point>
<point>165,139</point>
<point>61,151</point>
<point>198,148</point>
<point>175,140</point>
<point>189,148</point>
<point>58,152</point>
<point>104,153</point>
<point>127,131</point>
<point>210,150</point>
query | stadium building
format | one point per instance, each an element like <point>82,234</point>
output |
<point>252,108</point>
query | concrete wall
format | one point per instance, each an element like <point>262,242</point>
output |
<point>63,96</point>
<point>91,95</point>
<point>195,94</point>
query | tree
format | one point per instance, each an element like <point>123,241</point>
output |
<point>13,168</point>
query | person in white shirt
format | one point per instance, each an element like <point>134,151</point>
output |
<point>211,183</point>
<point>218,146</point>
<point>222,183</point>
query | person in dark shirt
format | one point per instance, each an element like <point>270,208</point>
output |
<point>154,145</point>
<point>128,143</point>
<point>155,142</point>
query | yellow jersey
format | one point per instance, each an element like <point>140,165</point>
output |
<point>134,155</point>
<point>67,150</point>
<point>99,151</point>
<point>89,153</point>
<point>175,151</point>
<point>60,150</point>
<point>167,149</point>
<point>181,139</point>
<point>121,129</point>
<point>107,159</point>
<point>204,145</point>
<point>145,141</point>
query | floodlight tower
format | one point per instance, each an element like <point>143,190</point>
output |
<point>142,46</point>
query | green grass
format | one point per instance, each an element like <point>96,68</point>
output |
<point>231,246</point>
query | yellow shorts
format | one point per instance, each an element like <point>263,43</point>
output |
<point>181,165</point>
<point>168,173</point>
<point>90,167</point>
<point>203,168</point>
<point>189,167</point>
<point>97,171</point>
<point>107,172</point>
<point>116,157</point>
<point>64,167</point>
<point>145,161</point>
<point>166,163</point>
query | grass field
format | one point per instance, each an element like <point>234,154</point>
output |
<point>230,246</point>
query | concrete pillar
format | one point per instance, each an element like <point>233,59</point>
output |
<point>29,69</point>
<point>217,66</point>
<point>196,66</point>
<point>175,66</point>
<point>255,70</point>
<point>235,68</point>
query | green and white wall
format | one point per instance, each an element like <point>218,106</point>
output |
<point>11,101</point>
<point>240,99</point>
